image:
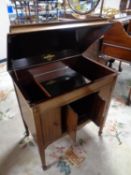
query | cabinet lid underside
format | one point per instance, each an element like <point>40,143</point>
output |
<point>26,50</point>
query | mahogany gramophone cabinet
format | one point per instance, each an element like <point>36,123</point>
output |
<point>58,89</point>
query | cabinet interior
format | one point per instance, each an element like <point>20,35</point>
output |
<point>57,78</point>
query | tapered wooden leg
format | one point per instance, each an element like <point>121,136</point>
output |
<point>41,150</point>
<point>101,126</point>
<point>27,133</point>
<point>103,119</point>
<point>39,137</point>
<point>42,156</point>
<point>100,131</point>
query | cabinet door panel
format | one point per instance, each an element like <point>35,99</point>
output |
<point>51,125</point>
<point>98,110</point>
<point>101,104</point>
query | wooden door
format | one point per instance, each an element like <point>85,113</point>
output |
<point>51,125</point>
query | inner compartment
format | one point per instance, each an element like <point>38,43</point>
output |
<point>90,107</point>
<point>57,78</point>
<point>85,109</point>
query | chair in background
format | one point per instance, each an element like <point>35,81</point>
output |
<point>117,46</point>
<point>129,28</point>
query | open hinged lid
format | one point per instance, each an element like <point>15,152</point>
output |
<point>52,42</point>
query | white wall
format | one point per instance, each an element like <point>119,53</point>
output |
<point>112,3</point>
<point>4,28</point>
<point>108,4</point>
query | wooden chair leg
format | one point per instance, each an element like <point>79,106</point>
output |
<point>129,97</point>
<point>120,67</point>
<point>111,61</point>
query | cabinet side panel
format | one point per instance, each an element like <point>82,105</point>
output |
<point>95,105</point>
<point>26,112</point>
<point>105,94</point>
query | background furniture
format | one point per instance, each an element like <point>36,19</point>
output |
<point>129,28</point>
<point>117,43</point>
